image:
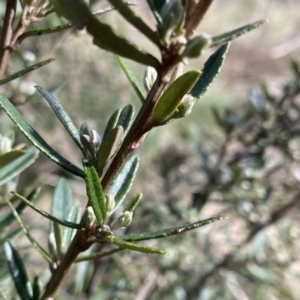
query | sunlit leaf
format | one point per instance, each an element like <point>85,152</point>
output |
<point>126,117</point>
<point>62,115</point>
<point>172,97</point>
<point>131,78</point>
<point>26,70</point>
<point>211,69</point>
<point>231,35</point>
<point>109,147</point>
<point>36,139</point>
<point>123,181</point>
<point>132,246</point>
<point>94,192</point>
<point>168,231</point>
<point>112,122</point>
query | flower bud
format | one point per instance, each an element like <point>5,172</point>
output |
<point>172,15</point>
<point>123,220</point>
<point>186,106</point>
<point>196,46</point>
<point>89,218</point>
<point>5,144</point>
<point>149,78</point>
<point>110,203</point>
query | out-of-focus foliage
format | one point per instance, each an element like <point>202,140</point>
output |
<point>247,170</point>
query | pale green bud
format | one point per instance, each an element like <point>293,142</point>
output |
<point>172,16</point>
<point>5,144</point>
<point>149,78</point>
<point>197,45</point>
<point>186,106</point>
<point>110,203</point>
<point>123,220</point>
<point>89,218</point>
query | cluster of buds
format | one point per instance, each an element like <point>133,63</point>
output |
<point>91,141</point>
<point>172,32</point>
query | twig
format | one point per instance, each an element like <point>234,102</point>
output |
<point>6,36</point>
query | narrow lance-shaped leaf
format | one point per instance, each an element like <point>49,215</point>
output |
<point>126,116</point>
<point>211,69</point>
<point>97,255</point>
<point>74,217</point>
<point>172,97</point>
<point>231,35</point>
<point>17,271</point>
<point>104,36</point>
<point>109,147</point>
<point>112,123</point>
<point>131,246</point>
<point>48,216</point>
<point>123,181</point>
<point>62,115</point>
<point>19,209</point>
<point>26,70</point>
<point>168,231</point>
<point>136,21</point>
<point>36,289</point>
<point>156,6</point>
<point>14,168</point>
<point>10,156</point>
<point>131,78</point>
<point>36,139</point>
<point>94,192</point>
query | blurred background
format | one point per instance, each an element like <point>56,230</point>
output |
<point>236,155</point>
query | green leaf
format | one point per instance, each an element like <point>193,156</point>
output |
<point>10,156</point>
<point>112,123</point>
<point>9,218</point>
<point>172,97</point>
<point>126,116</point>
<point>131,78</point>
<point>136,21</point>
<point>74,217</point>
<point>62,116</point>
<point>36,139</point>
<point>231,35</point>
<point>26,70</point>
<point>97,255</point>
<point>18,165</point>
<point>168,231</point>
<point>17,271</point>
<point>123,181</point>
<point>109,147</point>
<point>36,289</point>
<point>131,246</point>
<point>156,6</point>
<point>211,69</point>
<point>34,243</point>
<point>94,192</point>
<point>48,216</point>
<point>62,200</point>
<point>9,236</point>
<point>133,203</point>
<point>104,36</point>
